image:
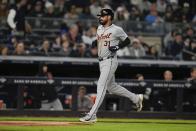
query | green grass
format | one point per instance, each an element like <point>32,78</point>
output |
<point>104,125</point>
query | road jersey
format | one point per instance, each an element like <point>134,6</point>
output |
<point>109,36</point>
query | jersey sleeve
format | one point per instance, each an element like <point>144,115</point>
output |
<point>121,34</point>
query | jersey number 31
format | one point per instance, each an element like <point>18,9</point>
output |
<point>107,43</point>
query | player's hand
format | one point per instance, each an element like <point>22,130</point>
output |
<point>113,48</point>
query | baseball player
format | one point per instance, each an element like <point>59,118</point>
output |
<point>110,38</point>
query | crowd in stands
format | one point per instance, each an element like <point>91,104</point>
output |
<point>139,10</point>
<point>74,40</point>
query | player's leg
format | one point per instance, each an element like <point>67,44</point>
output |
<point>105,76</point>
<point>114,88</point>
<point>106,72</point>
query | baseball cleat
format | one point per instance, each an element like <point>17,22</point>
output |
<point>140,101</point>
<point>89,119</point>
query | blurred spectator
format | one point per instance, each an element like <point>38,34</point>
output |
<point>168,95</point>
<point>146,91</point>
<point>13,43</point>
<point>92,52</point>
<point>137,50</point>
<point>27,99</point>
<point>30,102</point>
<point>189,33</point>
<point>33,49</point>
<point>168,75</point>
<point>65,50</point>
<point>20,49</point>
<point>86,14</point>
<point>153,52</point>
<point>80,28</point>
<point>139,77</point>
<point>122,13</point>
<point>136,2</point>
<point>68,47</point>
<point>174,3</point>
<point>49,10</point>
<point>56,46</point>
<point>125,52</point>
<point>73,35</point>
<point>144,44</point>
<point>189,50</point>
<point>153,18</point>
<point>37,9</point>
<point>59,7</point>
<point>161,6</point>
<point>135,14</point>
<point>72,13</point>
<point>192,74</point>
<point>64,38</point>
<point>105,4</point>
<point>64,27</point>
<point>84,101</point>
<point>93,30</point>
<point>168,17</point>
<point>177,11</point>
<point>145,6</point>
<point>169,37</point>
<point>88,37</point>
<point>165,97</point>
<point>16,18</point>
<point>49,96</point>
<point>46,48</point>
<point>194,18</point>
<point>94,8</point>
<point>174,48</point>
<point>80,50</point>
<point>3,8</point>
<point>4,51</point>
<point>186,13</point>
<point>189,101</point>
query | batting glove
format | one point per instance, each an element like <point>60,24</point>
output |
<point>113,48</point>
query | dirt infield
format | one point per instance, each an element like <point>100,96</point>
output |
<point>39,123</point>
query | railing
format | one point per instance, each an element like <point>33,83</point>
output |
<point>90,61</point>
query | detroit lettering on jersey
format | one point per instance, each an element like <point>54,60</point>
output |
<point>104,36</point>
<point>109,36</point>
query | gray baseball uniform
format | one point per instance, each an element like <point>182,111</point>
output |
<point>54,105</point>
<point>109,36</point>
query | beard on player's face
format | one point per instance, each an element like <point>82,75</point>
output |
<point>102,21</point>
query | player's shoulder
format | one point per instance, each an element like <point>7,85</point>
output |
<point>117,27</point>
